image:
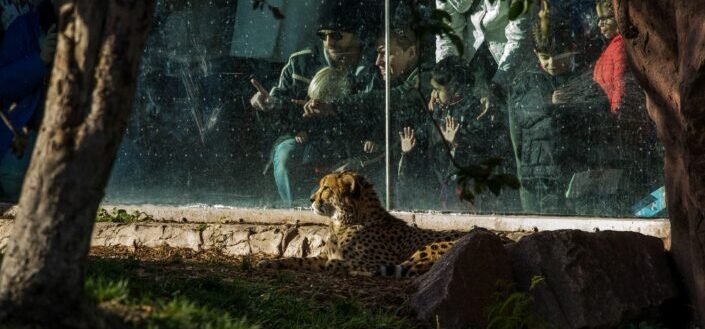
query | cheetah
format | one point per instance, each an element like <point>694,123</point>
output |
<point>365,239</point>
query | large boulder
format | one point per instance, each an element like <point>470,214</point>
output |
<point>458,288</point>
<point>593,280</point>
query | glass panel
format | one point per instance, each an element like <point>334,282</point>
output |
<point>198,134</point>
<point>550,93</point>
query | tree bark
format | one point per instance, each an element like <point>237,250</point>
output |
<point>88,103</point>
<point>664,41</point>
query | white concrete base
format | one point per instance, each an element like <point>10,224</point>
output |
<point>242,231</point>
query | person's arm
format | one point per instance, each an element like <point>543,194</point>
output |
<point>287,113</point>
<point>517,47</point>
<point>458,22</point>
<point>21,77</point>
<point>282,94</point>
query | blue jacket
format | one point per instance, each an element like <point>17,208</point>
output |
<point>22,74</point>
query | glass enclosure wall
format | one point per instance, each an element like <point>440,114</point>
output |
<point>244,105</point>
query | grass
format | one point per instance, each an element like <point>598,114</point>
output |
<point>153,298</point>
<point>117,215</point>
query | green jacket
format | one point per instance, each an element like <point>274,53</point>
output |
<point>294,80</point>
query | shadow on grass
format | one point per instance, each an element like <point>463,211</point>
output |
<point>160,295</point>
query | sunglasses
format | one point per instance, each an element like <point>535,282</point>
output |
<point>335,35</point>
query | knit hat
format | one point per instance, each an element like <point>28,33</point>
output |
<point>341,15</point>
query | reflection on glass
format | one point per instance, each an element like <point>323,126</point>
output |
<point>230,97</point>
<point>237,107</point>
<point>556,85</point>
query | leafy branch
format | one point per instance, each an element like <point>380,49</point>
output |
<point>262,4</point>
<point>483,174</point>
<point>437,22</point>
<point>513,309</point>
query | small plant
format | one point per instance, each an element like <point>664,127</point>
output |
<point>117,215</point>
<point>103,290</point>
<point>512,309</point>
<point>201,227</point>
<point>246,264</point>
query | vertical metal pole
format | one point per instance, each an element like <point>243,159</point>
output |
<point>387,86</point>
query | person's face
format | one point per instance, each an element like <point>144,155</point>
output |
<point>442,93</point>
<point>555,64</point>
<point>341,47</point>
<point>606,22</point>
<point>400,60</point>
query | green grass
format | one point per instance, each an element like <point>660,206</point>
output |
<point>117,215</point>
<point>180,301</point>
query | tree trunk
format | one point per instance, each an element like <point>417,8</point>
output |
<point>664,41</point>
<point>88,103</point>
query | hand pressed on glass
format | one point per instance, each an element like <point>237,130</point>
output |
<point>434,101</point>
<point>301,137</point>
<point>408,140</point>
<point>369,146</point>
<point>560,97</point>
<point>450,129</point>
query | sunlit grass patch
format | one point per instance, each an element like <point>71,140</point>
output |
<point>117,215</point>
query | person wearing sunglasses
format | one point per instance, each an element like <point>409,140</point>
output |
<point>303,144</point>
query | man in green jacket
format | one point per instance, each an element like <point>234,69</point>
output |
<point>339,28</point>
<point>363,114</point>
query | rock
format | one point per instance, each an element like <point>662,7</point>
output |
<point>267,242</point>
<point>458,288</point>
<point>593,280</point>
<point>181,236</point>
<point>233,240</point>
<point>307,242</point>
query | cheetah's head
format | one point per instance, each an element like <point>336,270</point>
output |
<point>344,196</point>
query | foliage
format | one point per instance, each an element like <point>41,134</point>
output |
<point>182,313</point>
<point>261,4</point>
<point>201,227</point>
<point>428,21</point>
<point>512,309</point>
<point>175,300</point>
<point>103,290</point>
<point>518,8</point>
<point>117,215</point>
<point>484,178</point>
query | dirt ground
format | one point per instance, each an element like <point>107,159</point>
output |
<point>374,293</point>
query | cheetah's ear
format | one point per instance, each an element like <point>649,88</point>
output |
<point>349,184</point>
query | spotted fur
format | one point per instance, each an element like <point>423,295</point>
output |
<point>364,238</point>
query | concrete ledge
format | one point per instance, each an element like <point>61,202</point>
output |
<point>299,232</point>
<point>659,227</point>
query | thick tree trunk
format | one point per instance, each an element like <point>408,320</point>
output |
<point>88,103</point>
<point>664,41</point>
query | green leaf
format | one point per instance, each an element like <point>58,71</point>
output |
<point>493,162</point>
<point>495,185</point>
<point>276,12</point>
<point>518,8</point>
<point>536,280</point>
<point>509,180</point>
<point>467,195</point>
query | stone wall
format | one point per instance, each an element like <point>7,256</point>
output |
<point>300,233</point>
